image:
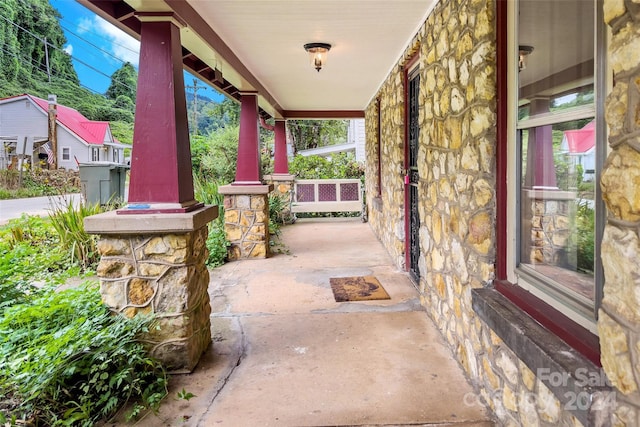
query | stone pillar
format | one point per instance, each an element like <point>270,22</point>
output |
<point>246,220</point>
<point>281,164</point>
<point>161,178</point>
<point>547,218</point>
<point>155,264</point>
<point>283,187</point>
<point>619,317</point>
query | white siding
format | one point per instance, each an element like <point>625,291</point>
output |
<point>22,117</point>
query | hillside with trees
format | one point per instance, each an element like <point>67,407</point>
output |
<point>32,60</point>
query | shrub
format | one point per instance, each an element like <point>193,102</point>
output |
<point>30,252</point>
<point>66,360</point>
<point>68,221</point>
<point>207,192</point>
<point>585,240</point>
<point>341,166</point>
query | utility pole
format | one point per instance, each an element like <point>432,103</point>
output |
<point>195,88</point>
<point>52,114</point>
<point>46,58</point>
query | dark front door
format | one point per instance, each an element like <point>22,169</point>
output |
<point>413,231</point>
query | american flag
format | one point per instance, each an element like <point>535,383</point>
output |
<point>50,156</point>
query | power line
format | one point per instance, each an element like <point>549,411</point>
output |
<point>62,50</point>
<point>88,30</point>
<point>38,67</point>
<point>94,46</point>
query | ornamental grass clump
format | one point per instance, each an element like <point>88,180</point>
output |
<point>65,359</point>
<point>68,221</point>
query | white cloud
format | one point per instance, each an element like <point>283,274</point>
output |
<point>69,49</point>
<point>115,41</point>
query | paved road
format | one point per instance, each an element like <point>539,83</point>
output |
<point>14,208</point>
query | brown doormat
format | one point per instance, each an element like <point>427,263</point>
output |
<point>358,288</point>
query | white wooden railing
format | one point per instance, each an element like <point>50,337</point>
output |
<point>327,195</point>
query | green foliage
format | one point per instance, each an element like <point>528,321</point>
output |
<point>308,134</point>
<point>23,62</point>
<point>68,221</point>
<point>23,55</point>
<point>585,240</point>
<point>122,131</point>
<point>66,360</point>
<point>199,147</point>
<point>222,114</point>
<point>37,182</point>
<point>123,87</point>
<point>30,253</point>
<point>217,243</point>
<point>219,162</point>
<point>341,166</point>
<point>185,395</point>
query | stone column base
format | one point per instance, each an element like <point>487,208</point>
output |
<point>155,264</point>
<point>283,187</point>
<point>246,220</point>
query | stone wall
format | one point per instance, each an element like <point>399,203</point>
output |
<point>619,320</point>
<point>386,213</point>
<point>456,163</point>
<point>283,187</point>
<point>164,275</point>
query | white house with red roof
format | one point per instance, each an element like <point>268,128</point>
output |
<point>580,145</point>
<point>79,140</point>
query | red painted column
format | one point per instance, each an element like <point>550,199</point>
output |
<point>161,179</point>
<point>281,164</point>
<point>541,172</point>
<point>248,164</point>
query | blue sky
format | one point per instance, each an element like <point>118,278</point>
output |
<point>98,48</point>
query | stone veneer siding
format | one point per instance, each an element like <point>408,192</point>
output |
<point>246,218</point>
<point>456,163</point>
<point>619,320</point>
<point>164,275</point>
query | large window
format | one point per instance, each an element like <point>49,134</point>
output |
<point>558,139</point>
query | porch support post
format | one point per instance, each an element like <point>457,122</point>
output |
<point>161,180</point>
<point>153,252</point>
<point>541,172</point>
<point>248,164</point>
<point>281,164</point>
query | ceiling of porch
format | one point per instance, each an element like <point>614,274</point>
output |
<point>258,45</point>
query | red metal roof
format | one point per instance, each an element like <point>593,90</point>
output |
<point>580,141</point>
<point>91,132</point>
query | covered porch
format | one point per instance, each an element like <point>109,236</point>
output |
<point>286,353</point>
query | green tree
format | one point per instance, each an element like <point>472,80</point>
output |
<point>308,134</point>
<point>219,162</point>
<point>23,32</point>
<point>124,83</point>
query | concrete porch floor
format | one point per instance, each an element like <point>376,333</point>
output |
<point>286,354</point>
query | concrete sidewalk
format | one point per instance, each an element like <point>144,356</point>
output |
<point>286,354</point>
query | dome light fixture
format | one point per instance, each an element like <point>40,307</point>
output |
<point>523,52</point>
<point>317,54</point>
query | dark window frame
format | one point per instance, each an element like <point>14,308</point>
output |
<point>566,329</point>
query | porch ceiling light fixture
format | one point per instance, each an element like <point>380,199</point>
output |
<point>317,53</point>
<point>523,52</point>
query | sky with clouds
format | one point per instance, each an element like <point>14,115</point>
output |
<point>99,49</point>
